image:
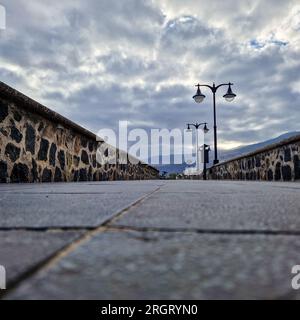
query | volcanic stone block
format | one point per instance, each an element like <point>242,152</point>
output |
<point>83,175</point>
<point>61,158</point>
<point>52,154</point>
<point>12,151</point>
<point>84,157</point>
<point>34,172</point>
<point>270,175</point>
<point>3,171</point>
<point>287,155</point>
<point>47,175</point>
<point>57,175</point>
<point>75,179</point>
<point>287,173</point>
<point>278,171</point>
<point>297,167</point>
<point>91,146</point>
<point>30,139</point>
<point>43,152</point>
<point>84,142</point>
<point>3,110</point>
<point>16,134</point>
<point>17,116</point>
<point>20,173</point>
<point>257,162</point>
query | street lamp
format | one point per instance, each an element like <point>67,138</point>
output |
<point>205,130</point>
<point>229,96</point>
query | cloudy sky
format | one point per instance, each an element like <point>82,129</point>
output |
<point>101,61</point>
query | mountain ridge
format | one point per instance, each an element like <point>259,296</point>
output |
<point>225,155</point>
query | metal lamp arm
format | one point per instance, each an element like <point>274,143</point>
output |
<point>206,85</point>
<point>214,89</point>
<point>224,84</point>
<point>197,125</point>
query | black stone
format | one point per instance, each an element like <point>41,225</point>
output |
<point>84,142</point>
<point>257,162</point>
<point>34,171</point>
<point>83,175</point>
<point>95,176</point>
<point>20,173</point>
<point>249,164</point>
<point>12,151</point>
<point>287,155</point>
<point>286,173</point>
<point>94,159</point>
<point>16,134</point>
<point>17,116</point>
<point>57,175</point>
<point>52,154</point>
<point>90,174</point>
<point>61,158</point>
<point>84,157</point>
<point>30,139</point>
<point>47,175</point>
<point>91,146</point>
<point>43,152</point>
<point>3,172</point>
<point>278,171</point>
<point>75,179</point>
<point>297,167</point>
<point>270,175</point>
<point>3,110</point>
<point>41,126</point>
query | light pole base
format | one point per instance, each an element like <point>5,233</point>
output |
<point>216,162</point>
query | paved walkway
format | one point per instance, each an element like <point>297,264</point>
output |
<point>150,240</point>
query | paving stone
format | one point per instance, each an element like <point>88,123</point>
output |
<point>133,265</point>
<point>219,206</point>
<point>83,187</point>
<point>66,205</point>
<point>20,251</point>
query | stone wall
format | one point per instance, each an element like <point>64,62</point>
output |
<point>278,162</point>
<point>39,145</point>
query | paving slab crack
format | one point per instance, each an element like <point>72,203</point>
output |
<point>205,231</point>
<point>46,229</point>
<point>58,255</point>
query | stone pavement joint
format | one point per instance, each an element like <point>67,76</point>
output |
<point>152,240</point>
<point>205,231</point>
<point>55,257</point>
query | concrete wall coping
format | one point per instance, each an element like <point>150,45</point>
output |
<point>270,147</point>
<point>10,94</point>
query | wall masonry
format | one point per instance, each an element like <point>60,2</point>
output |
<point>39,145</point>
<point>277,162</point>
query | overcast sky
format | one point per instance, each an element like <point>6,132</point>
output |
<point>101,61</point>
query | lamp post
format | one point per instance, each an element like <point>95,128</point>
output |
<point>205,130</point>
<point>229,96</point>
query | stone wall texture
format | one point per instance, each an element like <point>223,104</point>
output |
<point>278,162</point>
<point>39,145</point>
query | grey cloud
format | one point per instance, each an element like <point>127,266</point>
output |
<point>99,62</point>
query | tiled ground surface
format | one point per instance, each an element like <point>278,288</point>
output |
<point>150,240</point>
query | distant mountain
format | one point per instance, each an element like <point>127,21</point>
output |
<point>233,153</point>
<point>226,154</point>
